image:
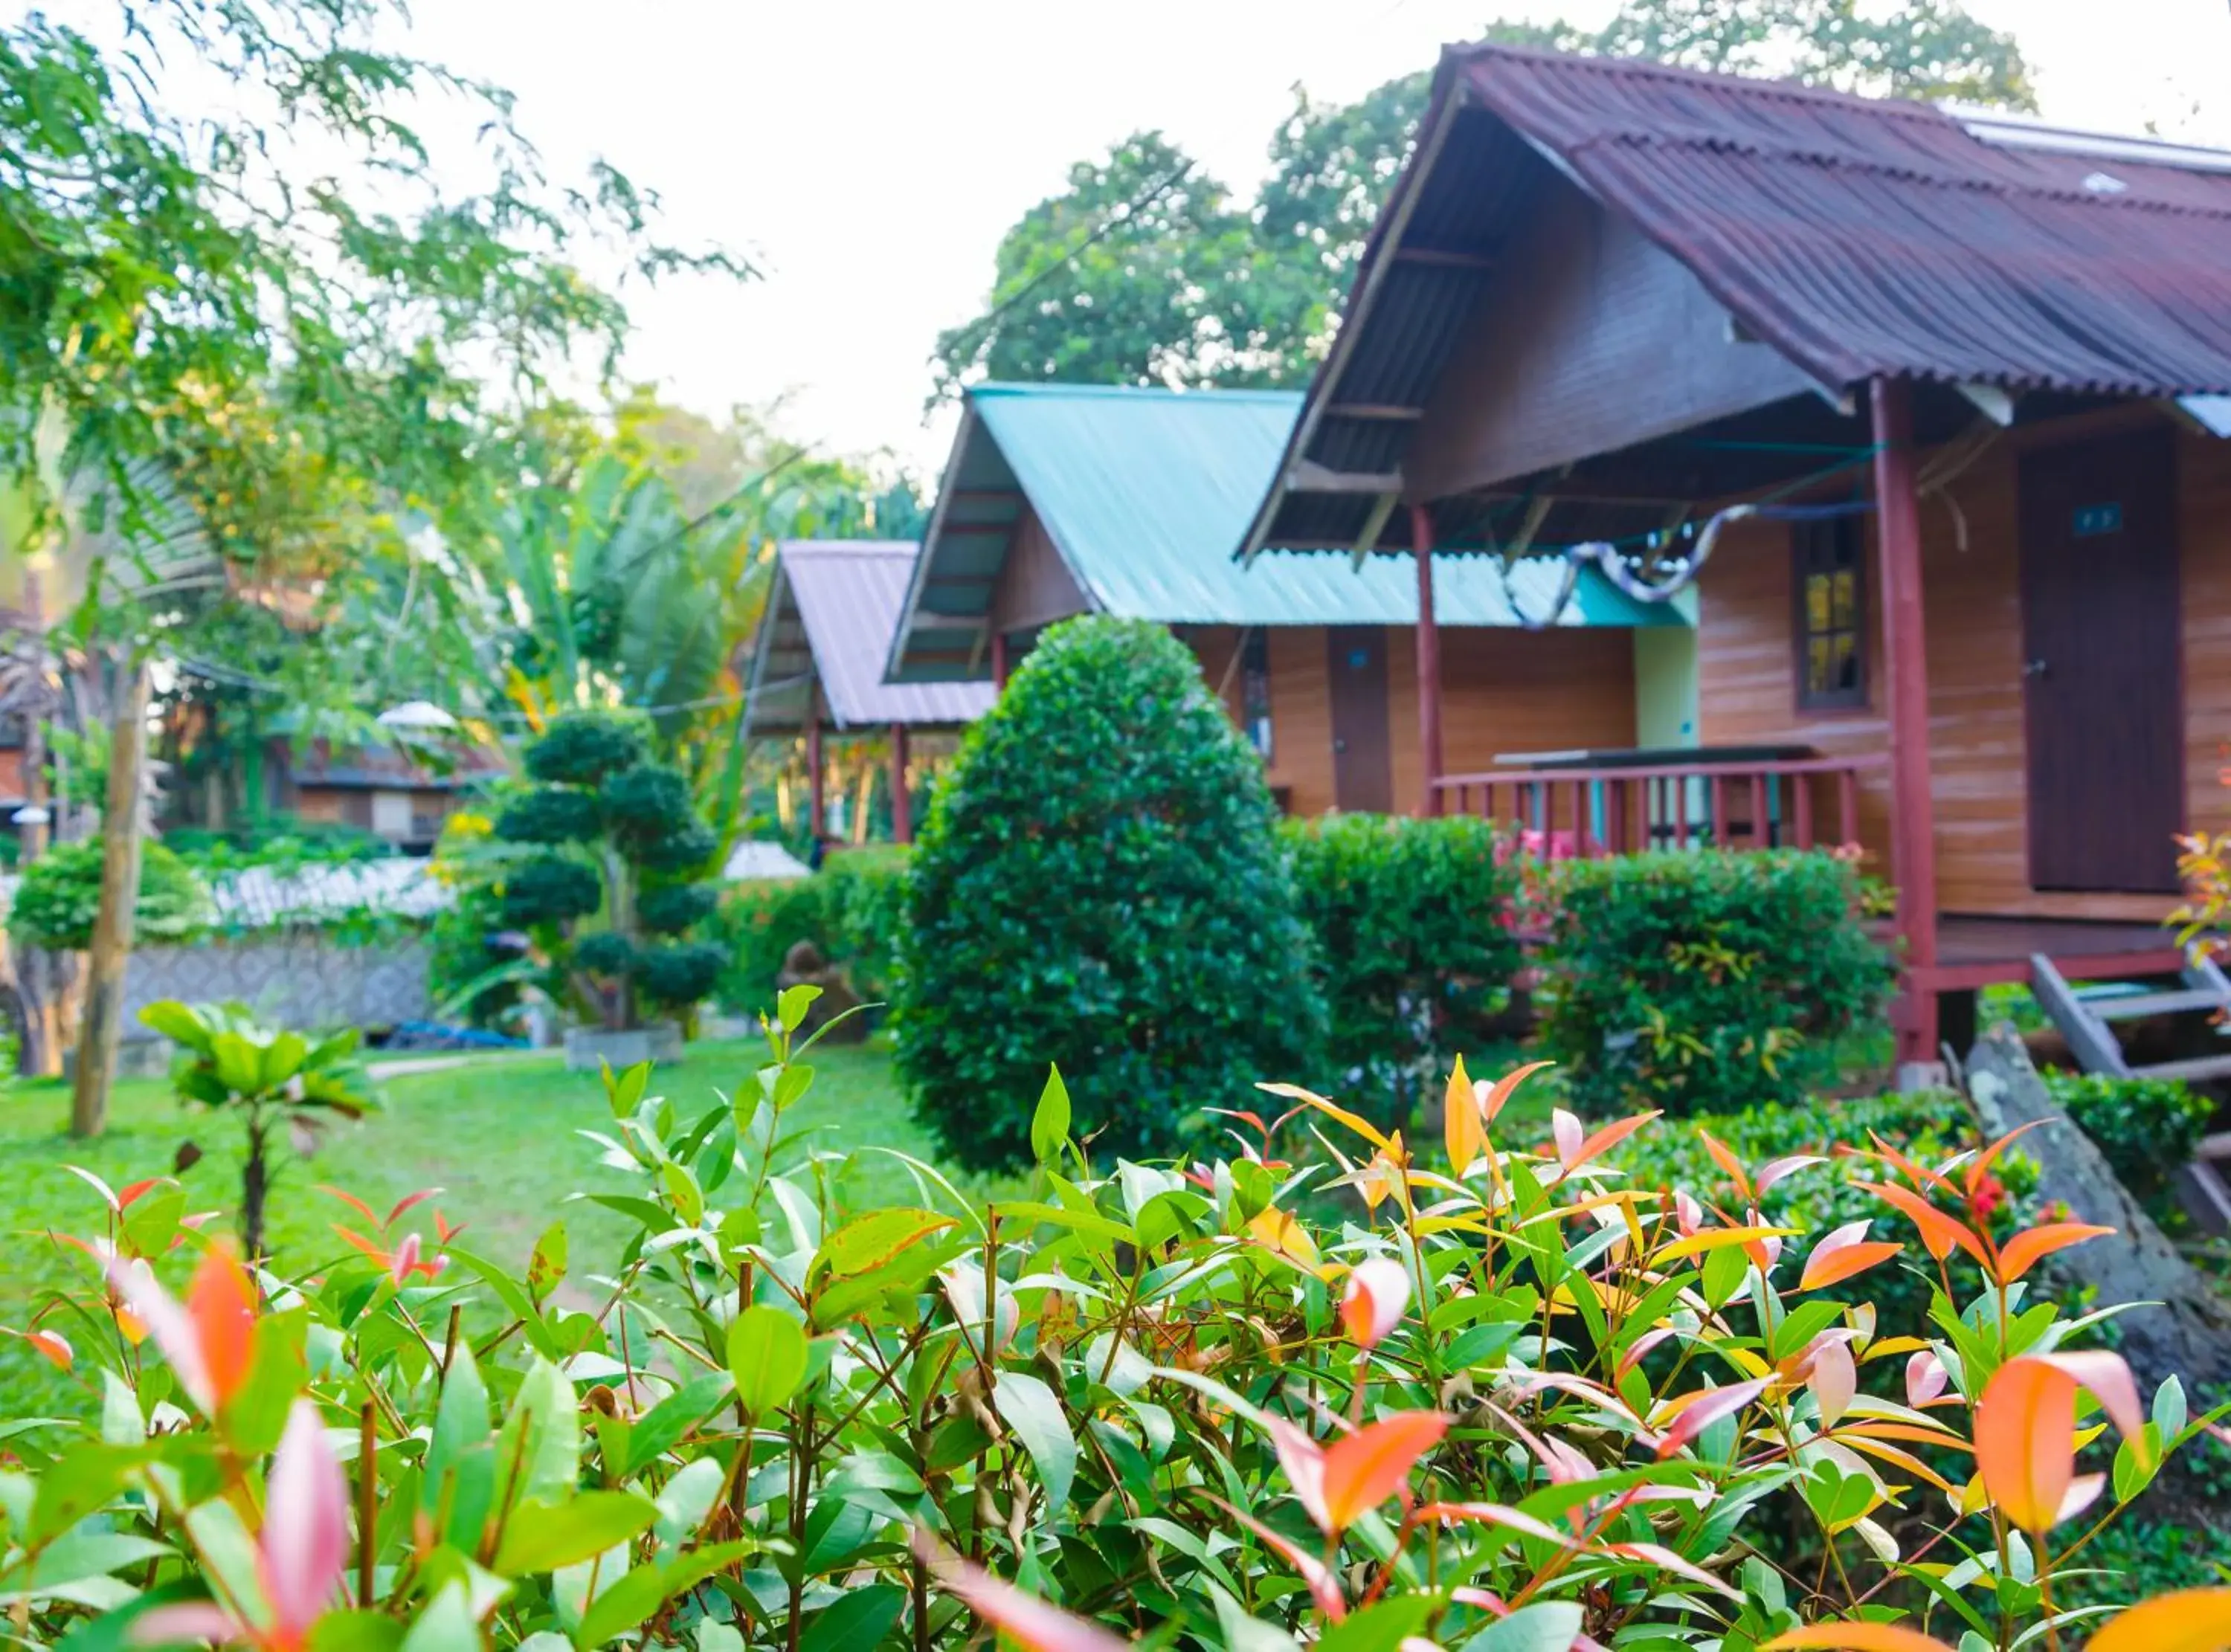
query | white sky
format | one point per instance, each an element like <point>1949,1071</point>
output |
<point>869,153</point>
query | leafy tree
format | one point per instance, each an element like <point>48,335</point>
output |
<point>1099,886</point>
<point>269,305</point>
<point>1144,272</point>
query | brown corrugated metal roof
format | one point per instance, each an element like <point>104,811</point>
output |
<point>830,616</point>
<point>1864,236</point>
<point>1857,236</point>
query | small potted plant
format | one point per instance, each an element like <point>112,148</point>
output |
<point>611,884</point>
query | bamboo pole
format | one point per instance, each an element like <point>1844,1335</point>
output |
<point>101,1027</point>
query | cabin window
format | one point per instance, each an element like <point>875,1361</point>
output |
<point>1832,614</point>
<point>1255,691</point>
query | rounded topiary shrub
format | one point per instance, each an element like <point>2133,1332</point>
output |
<point>1098,885</point>
<point>1708,981</point>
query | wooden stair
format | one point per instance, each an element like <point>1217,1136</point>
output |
<point>2086,1017</point>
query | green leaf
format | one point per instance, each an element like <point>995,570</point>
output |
<point>792,1006</point>
<point>545,1268</point>
<point>622,1606</point>
<point>179,1023</point>
<point>542,1434</point>
<point>541,1536</point>
<point>681,1188</point>
<point>1030,1408</point>
<point>867,1243</point>
<point>688,1497</point>
<point>1384,1627</point>
<point>1049,1123</point>
<point>80,1483</point>
<point>1724,1272</point>
<point>445,1626</point>
<point>510,1293</point>
<point>355,1632</point>
<point>79,1554</point>
<point>766,1357</point>
<point>1546,1626</point>
<point>624,1093</point>
<point>460,1472</point>
<point>239,1063</point>
<point>856,1622</point>
<point>656,1433</point>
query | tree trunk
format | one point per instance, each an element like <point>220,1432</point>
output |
<point>103,1027</point>
<point>44,982</point>
<point>255,1186</point>
<point>2186,1329</point>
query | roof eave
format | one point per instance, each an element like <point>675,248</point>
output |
<point>932,537</point>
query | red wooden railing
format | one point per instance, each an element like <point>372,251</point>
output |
<point>1801,802</point>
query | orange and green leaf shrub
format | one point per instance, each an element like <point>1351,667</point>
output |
<point>1320,1386</point>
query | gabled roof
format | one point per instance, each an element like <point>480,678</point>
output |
<point>829,619</point>
<point>1858,237</point>
<point>1144,492</point>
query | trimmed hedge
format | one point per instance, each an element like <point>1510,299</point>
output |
<point>2144,1128</point>
<point>56,904</point>
<point>1411,951</point>
<point>1099,884</point>
<point>1706,981</point>
<point>852,910</point>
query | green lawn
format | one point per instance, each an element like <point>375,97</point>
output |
<point>498,1136</point>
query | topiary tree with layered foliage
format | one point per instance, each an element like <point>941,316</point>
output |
<point>1099,884</point>
<point>612,882</point>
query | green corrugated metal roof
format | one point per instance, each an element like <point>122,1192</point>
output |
<point>1145,492</point>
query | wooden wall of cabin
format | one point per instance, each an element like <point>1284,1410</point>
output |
<point>1300,705</point>
<point>1748,682</point>
<point>1512,691</point>
<point>1501,691</point>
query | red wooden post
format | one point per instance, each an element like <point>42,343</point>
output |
<point>1801,794</point>
<point>1758,833</point>
<point>1720,832</point>
<point>1847,807</point>
<point>998,659</point>
<point>1429,658</point>
<point>1913,826</point>
<point>901,805</point>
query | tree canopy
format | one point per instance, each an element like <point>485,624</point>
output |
<point>1146,270</point>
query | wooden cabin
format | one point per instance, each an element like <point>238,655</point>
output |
<point>1065,499</point>
<point>817,664</point>
<point>1965,374</point>
<point>388,790</point>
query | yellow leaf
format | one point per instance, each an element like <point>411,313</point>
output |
<point>1697,1244</point>
<point>1466,1130</point>
<point>1278,1230</point>
<point>1853,1637</point>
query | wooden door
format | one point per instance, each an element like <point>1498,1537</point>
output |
<point>2102,675</point>
<point>1362,772</point>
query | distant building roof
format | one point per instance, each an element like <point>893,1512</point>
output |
<point>1144,492</point>
<point>828,619</point>
<point>1858,237</point>
<point>752,862</point>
